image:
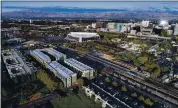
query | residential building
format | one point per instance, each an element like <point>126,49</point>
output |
<point>133,32</point>
<point>93,25</point>
<point>100,25</point>
<point>145,23</point>
<point>111,26</point>
<point>124,29</point>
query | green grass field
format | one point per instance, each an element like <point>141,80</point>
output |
<point>69,102</point>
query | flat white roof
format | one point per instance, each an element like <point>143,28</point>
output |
<point>61,70</point>
<point>41,55</point>
<point>78,64</point>
<point>83,34</point>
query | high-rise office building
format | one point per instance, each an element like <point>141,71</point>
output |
<point>119,27</point>
<point>176,29</point>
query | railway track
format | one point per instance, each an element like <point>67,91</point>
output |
<point>158,87</point>
<point>167,91</point>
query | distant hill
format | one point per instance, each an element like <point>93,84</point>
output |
<point>75,12</point>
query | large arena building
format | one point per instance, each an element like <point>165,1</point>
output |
<point>82,36</point>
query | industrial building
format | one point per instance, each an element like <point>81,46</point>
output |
<point>84,70</point>
<point>18,69</point>
<point>82,36</point>
<point>40,57</point>
<point>58,55</point>
<point>66,75</point>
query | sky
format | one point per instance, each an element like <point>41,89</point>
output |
<point>104,5</point>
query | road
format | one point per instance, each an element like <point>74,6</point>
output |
<point>40,101</point>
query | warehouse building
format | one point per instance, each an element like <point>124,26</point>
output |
<point>84,70</point>
<point>18,69</point>
<point>66,75</point>
<point>82,36</point>
<point>58,55</point>
<point>40,57</point>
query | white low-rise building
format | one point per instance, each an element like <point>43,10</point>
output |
<point>82,36</point>
<point>133,32</point>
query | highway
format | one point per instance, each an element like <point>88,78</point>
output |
<point>167,93</point>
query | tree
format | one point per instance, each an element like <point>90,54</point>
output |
<point>130,56</point>
<point>137,63</point>
<point>4,94</point>
<point>61,85</point>
<point>165,34</point>
<point>164,69</point>
<point>124,88</point>
<point>134,94</point>
<point>44,77</point>
<point>80,82</point>
<point>156,72</point>
<point>142,60</point>
<point>118,57</point>
<point>98,104</point>
<point>137,41</point>
<point>148,102</point>
<point>107,80</point>
<point>114,83</point>
<point>111,51</point>
<point>165,45</point>
<point>141,98</point>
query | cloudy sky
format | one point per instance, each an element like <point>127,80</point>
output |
<point>106,5</point>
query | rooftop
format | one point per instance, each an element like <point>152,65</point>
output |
<point>54,52</point>
<point>41,55</point>
<point>61,70</point>
<point>78,64</point>
<point>15,63</point>
<point>83,34</point>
